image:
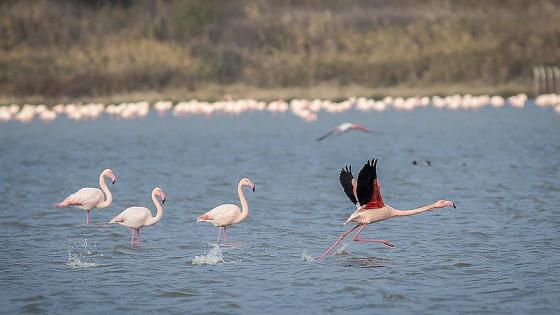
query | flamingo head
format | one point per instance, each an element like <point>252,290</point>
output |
<point>246,182</point>
<point>159,192</point>
<point>109,173</point>
<point>204,218</point>
<point>444,203</point>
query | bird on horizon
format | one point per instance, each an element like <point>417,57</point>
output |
<point>365,194</point>
<point>228,214</point>
<point>91,198</point>
<point>342,128</point>
<point>136,218</point>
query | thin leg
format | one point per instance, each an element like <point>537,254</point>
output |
<point>225,233</point>
<point>139,239</point>
<point>219,232</point>
<point>359,240</point>
<point>87,216</point>
<point>132,239</point>
<point>340,238</point>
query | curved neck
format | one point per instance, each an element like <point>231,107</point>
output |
<point>106,191</point>
<point>402,213</point>
<point>244,205</point>
<point>153,220</point>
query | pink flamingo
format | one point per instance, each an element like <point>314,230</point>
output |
<point>342,128</point>
<point>90,198</point>
<point>225,215</point>
<point>365,193</point>
<point>138,217</point>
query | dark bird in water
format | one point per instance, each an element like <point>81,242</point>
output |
<point>342,128</point>
<point>425,163</point>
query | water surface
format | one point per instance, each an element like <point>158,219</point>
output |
<point>497,253</point>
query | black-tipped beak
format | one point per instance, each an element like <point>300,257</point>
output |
<point>163,201</point>
<point>254,187</point>
<point>454,207</point>
<point>114,182</point>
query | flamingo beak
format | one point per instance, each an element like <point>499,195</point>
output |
<point>114,178</point>
<point>162,198</point>
<point>254,187</point>
<point>453,204</point>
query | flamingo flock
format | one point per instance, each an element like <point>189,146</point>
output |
<point>364,191</point>
<point>307,110</point>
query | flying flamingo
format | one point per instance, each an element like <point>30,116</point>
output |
<point>90,198</point>
<point>138,217</point>
<point>365,193</point>
<point>342,128</point>
<point>225,215</point>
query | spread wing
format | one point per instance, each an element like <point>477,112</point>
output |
<point>346,180</point>
<point>368,191</point>
<point>325,135</point>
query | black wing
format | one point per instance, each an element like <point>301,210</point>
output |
<point>325,135</point>
<point>365,182</point>
<point>346,178</point>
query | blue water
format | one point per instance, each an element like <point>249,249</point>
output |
<point>499,252</point>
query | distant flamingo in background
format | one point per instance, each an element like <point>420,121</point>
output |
<point>229,214</point>
<point>342,128</point>
<point>365,193</point>
<point>138,217</point>
<point>90,198</point>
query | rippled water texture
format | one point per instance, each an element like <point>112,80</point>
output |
<point>497,253</point>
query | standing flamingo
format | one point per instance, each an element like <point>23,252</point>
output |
<point>138,217</point>
<point>90,198</point>
<point>225,215</point>
<point>342,128</point>
<point>365,193</point>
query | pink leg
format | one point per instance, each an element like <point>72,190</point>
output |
<point>132,239</point>
<point>225,233</point>
<point>340,238</point>
<point>87,216</point>
<point>359,240</point>
<point>138,239</point>
<point>219,232</point>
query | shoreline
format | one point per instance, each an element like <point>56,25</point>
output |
<point>239,91</point>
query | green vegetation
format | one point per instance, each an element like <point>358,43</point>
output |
<point>56,49</point>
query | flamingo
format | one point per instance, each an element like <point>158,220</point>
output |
<point>90,198</point>
<point>136,218</point>
<point>365,193</point>
<point>342,128</point>
<point>225,215</point>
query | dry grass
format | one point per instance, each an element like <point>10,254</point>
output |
<point>275,49</point>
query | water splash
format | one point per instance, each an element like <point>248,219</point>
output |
<point>81,255</point>
<point>341,249</point>
<point>212,257</point>
<point>306,256</point>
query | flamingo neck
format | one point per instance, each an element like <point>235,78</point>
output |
<point>402,213</point>
<point>244,205</point>
<point>153,220</point>
<point>106,191</point>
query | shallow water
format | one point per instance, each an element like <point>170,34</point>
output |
<point>499,252</point>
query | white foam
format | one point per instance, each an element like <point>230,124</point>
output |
<point>81,255</point>
<point>306,256</point>
<point>212,257</point>
<point>341,249</point>
<point>74,262</point>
